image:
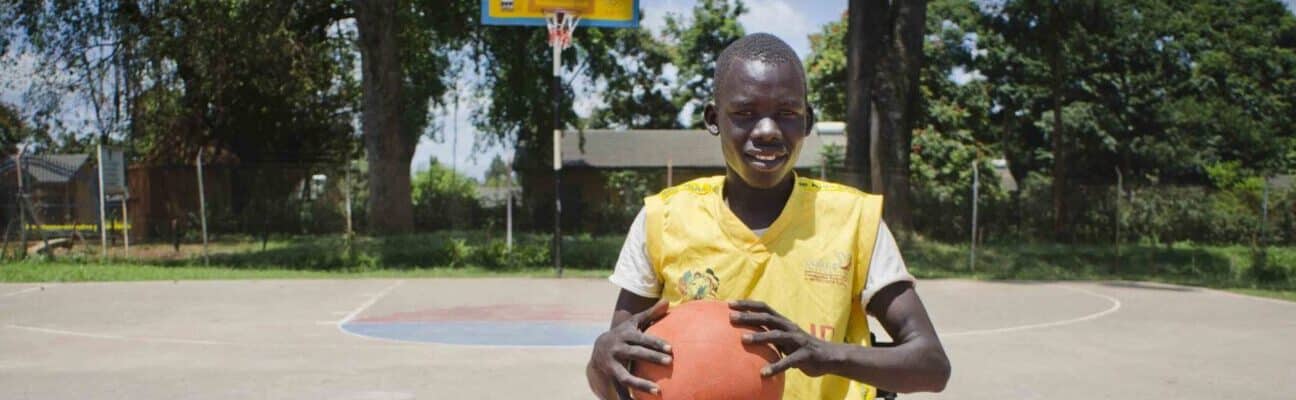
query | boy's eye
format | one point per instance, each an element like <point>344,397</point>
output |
<point>742,113</point>
<point>788,113</point>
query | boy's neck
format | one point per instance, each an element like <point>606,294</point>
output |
<point>757,208</point>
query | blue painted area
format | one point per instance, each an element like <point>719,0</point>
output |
<point>487,333</point>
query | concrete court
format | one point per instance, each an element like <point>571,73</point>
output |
<point>284,340</point>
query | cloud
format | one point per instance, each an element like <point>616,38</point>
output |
<point>781,19</point>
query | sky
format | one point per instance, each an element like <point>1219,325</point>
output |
<point>792,21</point>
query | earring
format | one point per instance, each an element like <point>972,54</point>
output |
<point>713,129</point>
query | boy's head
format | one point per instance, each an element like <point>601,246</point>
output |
<point>760,110</point>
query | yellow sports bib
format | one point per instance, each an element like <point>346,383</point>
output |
<point>810,265</point>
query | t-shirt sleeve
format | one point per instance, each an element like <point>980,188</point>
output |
<point>633,271</point>
<point>886,266</point>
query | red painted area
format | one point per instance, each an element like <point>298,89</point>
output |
<point>496,312</point>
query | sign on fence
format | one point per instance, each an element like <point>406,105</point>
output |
<point>113,164</point>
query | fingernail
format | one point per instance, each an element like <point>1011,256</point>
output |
<point>747,338</point>
<point>666,360</point>
<point>765,371</point>
<point>733,315</point>
<point>666,347</point>
<point>654,391</point>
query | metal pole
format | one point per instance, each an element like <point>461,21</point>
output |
<point>508,216</point>
<point>976,182</point>
<point>202,207</point>
<point>347,196</point>
<point>1120,190</point>
<point>103,225</point>
<point>670,172</point>
<point>126,222</point>
<point>556,88</point>
<point>1264,209</point>
<point>22,211</point>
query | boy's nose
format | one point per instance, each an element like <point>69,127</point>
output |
<point>766,130</point>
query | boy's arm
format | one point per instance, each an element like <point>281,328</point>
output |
<point>629,307</point>
<point>917,363</point>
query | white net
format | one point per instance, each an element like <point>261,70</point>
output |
<point>561,25</point>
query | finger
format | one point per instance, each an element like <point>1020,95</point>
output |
<point>640,353</point>
<point>777,367</point>
<point>753,305</point>
<point>761,319</point>
<point>780,338</point>
<point>750,305</point>
<point>649,341</point>
<point>625,378</point>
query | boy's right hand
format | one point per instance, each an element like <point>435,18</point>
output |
<point>626,342</point>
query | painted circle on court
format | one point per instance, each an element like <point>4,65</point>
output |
<point>490,325</point>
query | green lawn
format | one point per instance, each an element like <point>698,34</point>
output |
<point>474,254</point>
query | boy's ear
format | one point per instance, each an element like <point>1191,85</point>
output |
<point>711,119</point>
<point>810,119</point>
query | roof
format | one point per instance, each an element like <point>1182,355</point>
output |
<point>49,168</point>
<point>654,148</point>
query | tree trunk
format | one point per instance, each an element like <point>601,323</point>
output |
<point>390,207</point>
<point>1057,75</point>
<point>865,26</point>
<point>883,65</point>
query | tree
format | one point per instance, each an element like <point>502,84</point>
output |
<point>388,147</point>
<point>404,46</point>
<point>884,57</point>
<point>826,71</point>
<point>697,43</point>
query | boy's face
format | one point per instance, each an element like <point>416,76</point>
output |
<point>762,116</point>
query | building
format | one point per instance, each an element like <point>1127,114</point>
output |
<point>664,157</point>
<point>62,189</point>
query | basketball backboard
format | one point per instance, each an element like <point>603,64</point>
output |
<point>593,13</point>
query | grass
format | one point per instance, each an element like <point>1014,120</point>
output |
<point>476,254</point>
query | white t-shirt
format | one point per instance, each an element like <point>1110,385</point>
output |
<point>634,272</point>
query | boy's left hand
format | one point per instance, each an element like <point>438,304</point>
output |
<point>800,350</point>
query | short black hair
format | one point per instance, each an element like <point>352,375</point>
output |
<point>757,46</point>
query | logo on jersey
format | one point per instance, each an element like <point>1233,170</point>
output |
<point>696,285</point>
<point>831,270</point>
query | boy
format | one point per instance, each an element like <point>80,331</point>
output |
<point>801,260</point>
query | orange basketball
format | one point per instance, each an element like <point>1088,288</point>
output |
<point>710,361</point>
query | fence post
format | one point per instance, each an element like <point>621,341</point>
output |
<point>976,182</point>
<point>22,210</point>
<point>1264,210</point>
<point>103,224</point>
<point>347,197</point>
<point>508,216</point>
<point>202,207</point>
<point>1120,190</point>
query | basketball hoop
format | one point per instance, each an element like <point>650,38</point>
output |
<point>561,24</point>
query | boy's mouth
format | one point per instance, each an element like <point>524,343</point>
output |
<point>765,160</point>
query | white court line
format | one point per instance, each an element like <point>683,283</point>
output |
<point>148,339</point>
<point>30,289</point>
<point>1116,305</point>
<point>117,337</point>
<point>366,305</point>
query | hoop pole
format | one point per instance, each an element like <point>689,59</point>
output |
<point>555,87</point>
